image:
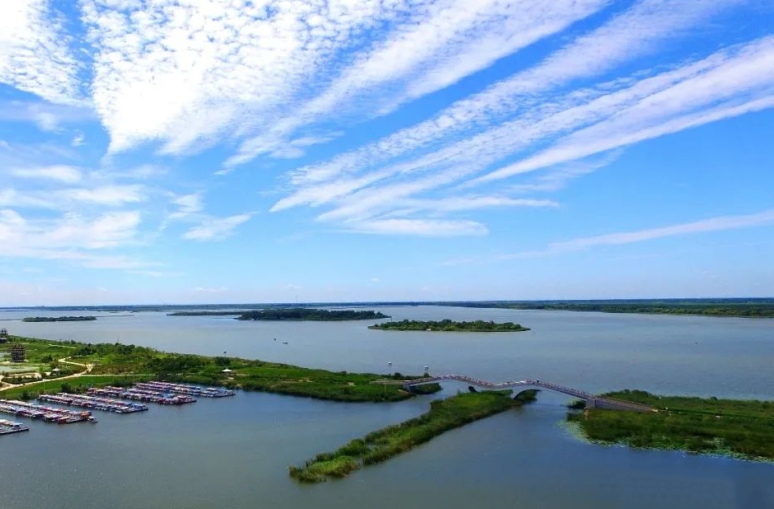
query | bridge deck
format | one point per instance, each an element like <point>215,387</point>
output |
<point>597,401</point>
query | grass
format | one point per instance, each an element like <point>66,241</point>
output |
<point>700,425</point>
<point>388,442</point>
<point>120,360</point>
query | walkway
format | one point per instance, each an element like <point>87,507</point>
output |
<point>592,400</point>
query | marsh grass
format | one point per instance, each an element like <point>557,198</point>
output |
<point>698,425</point>
<point>381,445</point>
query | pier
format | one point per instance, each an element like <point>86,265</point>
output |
<point>191,390</point>
<point>146,396</point>
<point>11,427</point>
<point>44,413</point>
<point>94,403</point>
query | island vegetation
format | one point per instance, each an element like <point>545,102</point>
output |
<point>207,313</point>
<point>711,425</point>
<point>59,319</point>
<point>317,315</point>
<point>385,443</point>
<point>111,363</point>
<point>449,326</point>
<point>742,308</point>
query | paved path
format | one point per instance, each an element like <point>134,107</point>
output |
<point>86,369</point>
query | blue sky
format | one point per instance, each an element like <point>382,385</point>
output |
<point>248,151</point>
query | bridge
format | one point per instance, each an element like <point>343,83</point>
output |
<point>592,400</point>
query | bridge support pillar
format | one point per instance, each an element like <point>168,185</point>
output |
<point>591,403</point>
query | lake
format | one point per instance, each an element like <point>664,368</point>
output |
<point>235,452</point>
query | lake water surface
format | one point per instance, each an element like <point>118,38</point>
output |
<point>235,452</point>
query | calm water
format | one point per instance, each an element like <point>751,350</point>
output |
<point>235,452</point>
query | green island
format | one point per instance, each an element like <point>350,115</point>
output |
<point>742,308</point>
<point>59,319</point>
<point>317,315</point>
<point>381,445</point>
<point>109,364</point>
<point>449,326</point>
<point>206,313</point>
<point>737,428</point>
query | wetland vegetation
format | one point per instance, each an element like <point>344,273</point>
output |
<point>711,425</point>
<point>385,443</point>
<point>115,361</point>
<point>449,326</point>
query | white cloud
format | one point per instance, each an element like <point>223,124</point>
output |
<point>706,225</point>
<point>729,83</point>
<point>436,47</point>
<point>66,174</point>
<point>70,238</point>
<point>201,289</point>
<point>188,205</point>
<point>627,36</point>
<point>185,72</point>
<point>216,228</point>
<point>78,140</point>
<point>418,227</point>
<point>35,55</point>
<point>115,195</point>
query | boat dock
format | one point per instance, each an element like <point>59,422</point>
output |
<point>10,427</point>
<point>94,403</point>
<point>44,413</point>
<point>146,396</point>
<point>191,390</point>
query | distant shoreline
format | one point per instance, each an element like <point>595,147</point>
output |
<point>714,307</point>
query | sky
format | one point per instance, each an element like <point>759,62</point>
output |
<point>192,151</point>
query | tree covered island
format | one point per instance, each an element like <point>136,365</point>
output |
<point>317,315</point>
<point>59,319</point>
<point>450,326</point>
<point>700,425</point>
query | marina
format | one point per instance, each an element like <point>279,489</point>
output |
<point>146,396</point>
<point>11,427</point>
<point>44,413</point>
<point>94,403</point>
<point>191,390</point>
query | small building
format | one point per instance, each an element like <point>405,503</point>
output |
<point>3,336</point>
<point>18,352</point>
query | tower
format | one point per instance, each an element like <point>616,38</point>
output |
<point>18,352</point>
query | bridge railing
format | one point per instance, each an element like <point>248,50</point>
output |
<point>535,383</point>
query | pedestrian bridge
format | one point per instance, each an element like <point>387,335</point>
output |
<point>592,401</point>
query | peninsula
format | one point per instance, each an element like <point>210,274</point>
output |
<point>381,445</point>
<point>449,326</point>
<point>118,364</point>
<point>306,314</point>
<point>59,319</point>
